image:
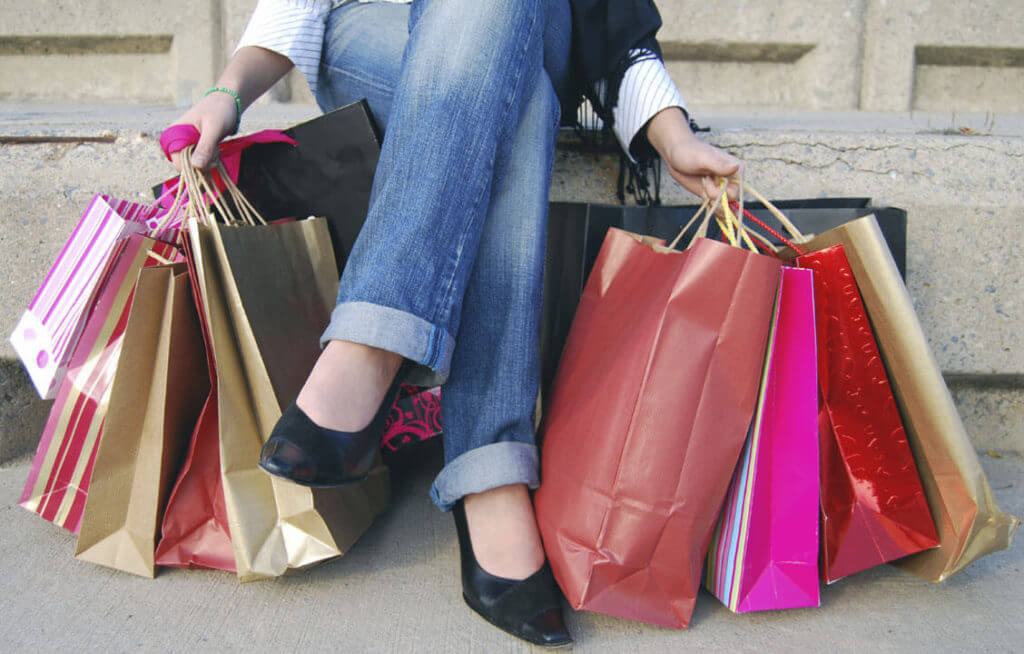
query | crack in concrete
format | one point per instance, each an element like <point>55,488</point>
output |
<point>42,140</point>
<point>838,160</point>
<point>872,148</point>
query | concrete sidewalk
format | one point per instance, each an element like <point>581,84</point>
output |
<point>398,591</point>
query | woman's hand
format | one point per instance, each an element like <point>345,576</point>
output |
<point>214,116</point>
<point>250,73</point>
<point>691,162</point>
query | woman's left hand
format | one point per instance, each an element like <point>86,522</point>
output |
<point>696,165</point>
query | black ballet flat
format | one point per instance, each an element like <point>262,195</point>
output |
<point>303,452</point>
<point>530,608</point>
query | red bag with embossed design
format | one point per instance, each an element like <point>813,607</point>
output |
<point>873,506</point>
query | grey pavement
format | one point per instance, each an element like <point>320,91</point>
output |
<point>397,590</point>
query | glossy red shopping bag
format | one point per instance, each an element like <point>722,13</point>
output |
<point>873,505</point>
<point>648,413</point>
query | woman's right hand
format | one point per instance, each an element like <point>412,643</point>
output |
<point>251,71</point>
<point>214,116</point>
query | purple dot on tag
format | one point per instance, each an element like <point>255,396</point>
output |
<point>42,358</point>
<point>153,224</point>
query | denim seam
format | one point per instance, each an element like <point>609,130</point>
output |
<point>376,84</point>
<point>430,358</point>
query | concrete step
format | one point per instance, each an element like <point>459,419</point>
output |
<point>397,590</point>
<point>959,177</point>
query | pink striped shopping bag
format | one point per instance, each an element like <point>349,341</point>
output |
<point>764,553</point>
<point>59,478</point>
<point>48,331</point>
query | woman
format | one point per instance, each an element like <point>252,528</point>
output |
<point>446,273</point>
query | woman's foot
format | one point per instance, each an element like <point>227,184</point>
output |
<point>506,541</point>
<point>515,590</point>
<point>330,436</point>
<point>347,385</point>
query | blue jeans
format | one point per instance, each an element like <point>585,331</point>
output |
<point>447,270</point>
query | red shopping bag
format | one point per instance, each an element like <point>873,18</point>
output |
<point>650,408</point>
<point>195,532</point>
<point>873,505</point>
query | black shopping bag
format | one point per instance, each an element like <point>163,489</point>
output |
<point>329,173</point>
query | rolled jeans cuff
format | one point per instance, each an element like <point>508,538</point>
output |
<point>484,468</point>
<point>397,331</point>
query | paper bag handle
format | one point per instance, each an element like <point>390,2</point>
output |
<point>200,185</point>
<point>732,227</point>
<point>786,223</point>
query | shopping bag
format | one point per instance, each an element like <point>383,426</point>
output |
<point>158,390</point>
<point>970,523</point>
<point>873,504</point>
<point>328,172</point>
<point>48,332</point>
<point>59,477</point>
<point>764,553</point>
<point>414,418</point>
<point>321,167</point>
<point>576,231</point>
<point>195,532</point>
<point>650,407</point>
<point>267,292</point>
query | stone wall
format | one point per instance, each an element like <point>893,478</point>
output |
<point>875,55</point>
<point>917,104</point>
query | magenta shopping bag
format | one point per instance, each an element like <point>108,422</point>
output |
<point>764,554</point>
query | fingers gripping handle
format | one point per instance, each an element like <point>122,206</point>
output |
<point>178,137</point>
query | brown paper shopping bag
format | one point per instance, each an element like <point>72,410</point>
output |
<point>969,522</point>
<point>267,292</point>
<point>155,399</point>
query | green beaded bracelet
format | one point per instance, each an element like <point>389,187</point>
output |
<point>238,103</point>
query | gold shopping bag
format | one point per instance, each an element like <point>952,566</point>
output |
<point>267,292</point>
<point>969,522</point>
<point>156,395</point>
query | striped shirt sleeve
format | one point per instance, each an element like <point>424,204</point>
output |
<point>293,28</point>
<point>646,89</point>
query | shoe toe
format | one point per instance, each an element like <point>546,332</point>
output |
<point>547,629</point>
<point>282,458</point>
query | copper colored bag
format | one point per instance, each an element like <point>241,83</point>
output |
<point>873,507</point>
<point>650,408</point>
<point>969,521</point>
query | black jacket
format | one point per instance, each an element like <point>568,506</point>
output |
<point>604,31</point>
<point>603,34</point>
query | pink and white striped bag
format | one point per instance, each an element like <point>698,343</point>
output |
<point>58,480</point>
<point>48,331</point>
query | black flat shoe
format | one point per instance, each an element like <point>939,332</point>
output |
<point>530,608</point>
<point>303,452</point>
